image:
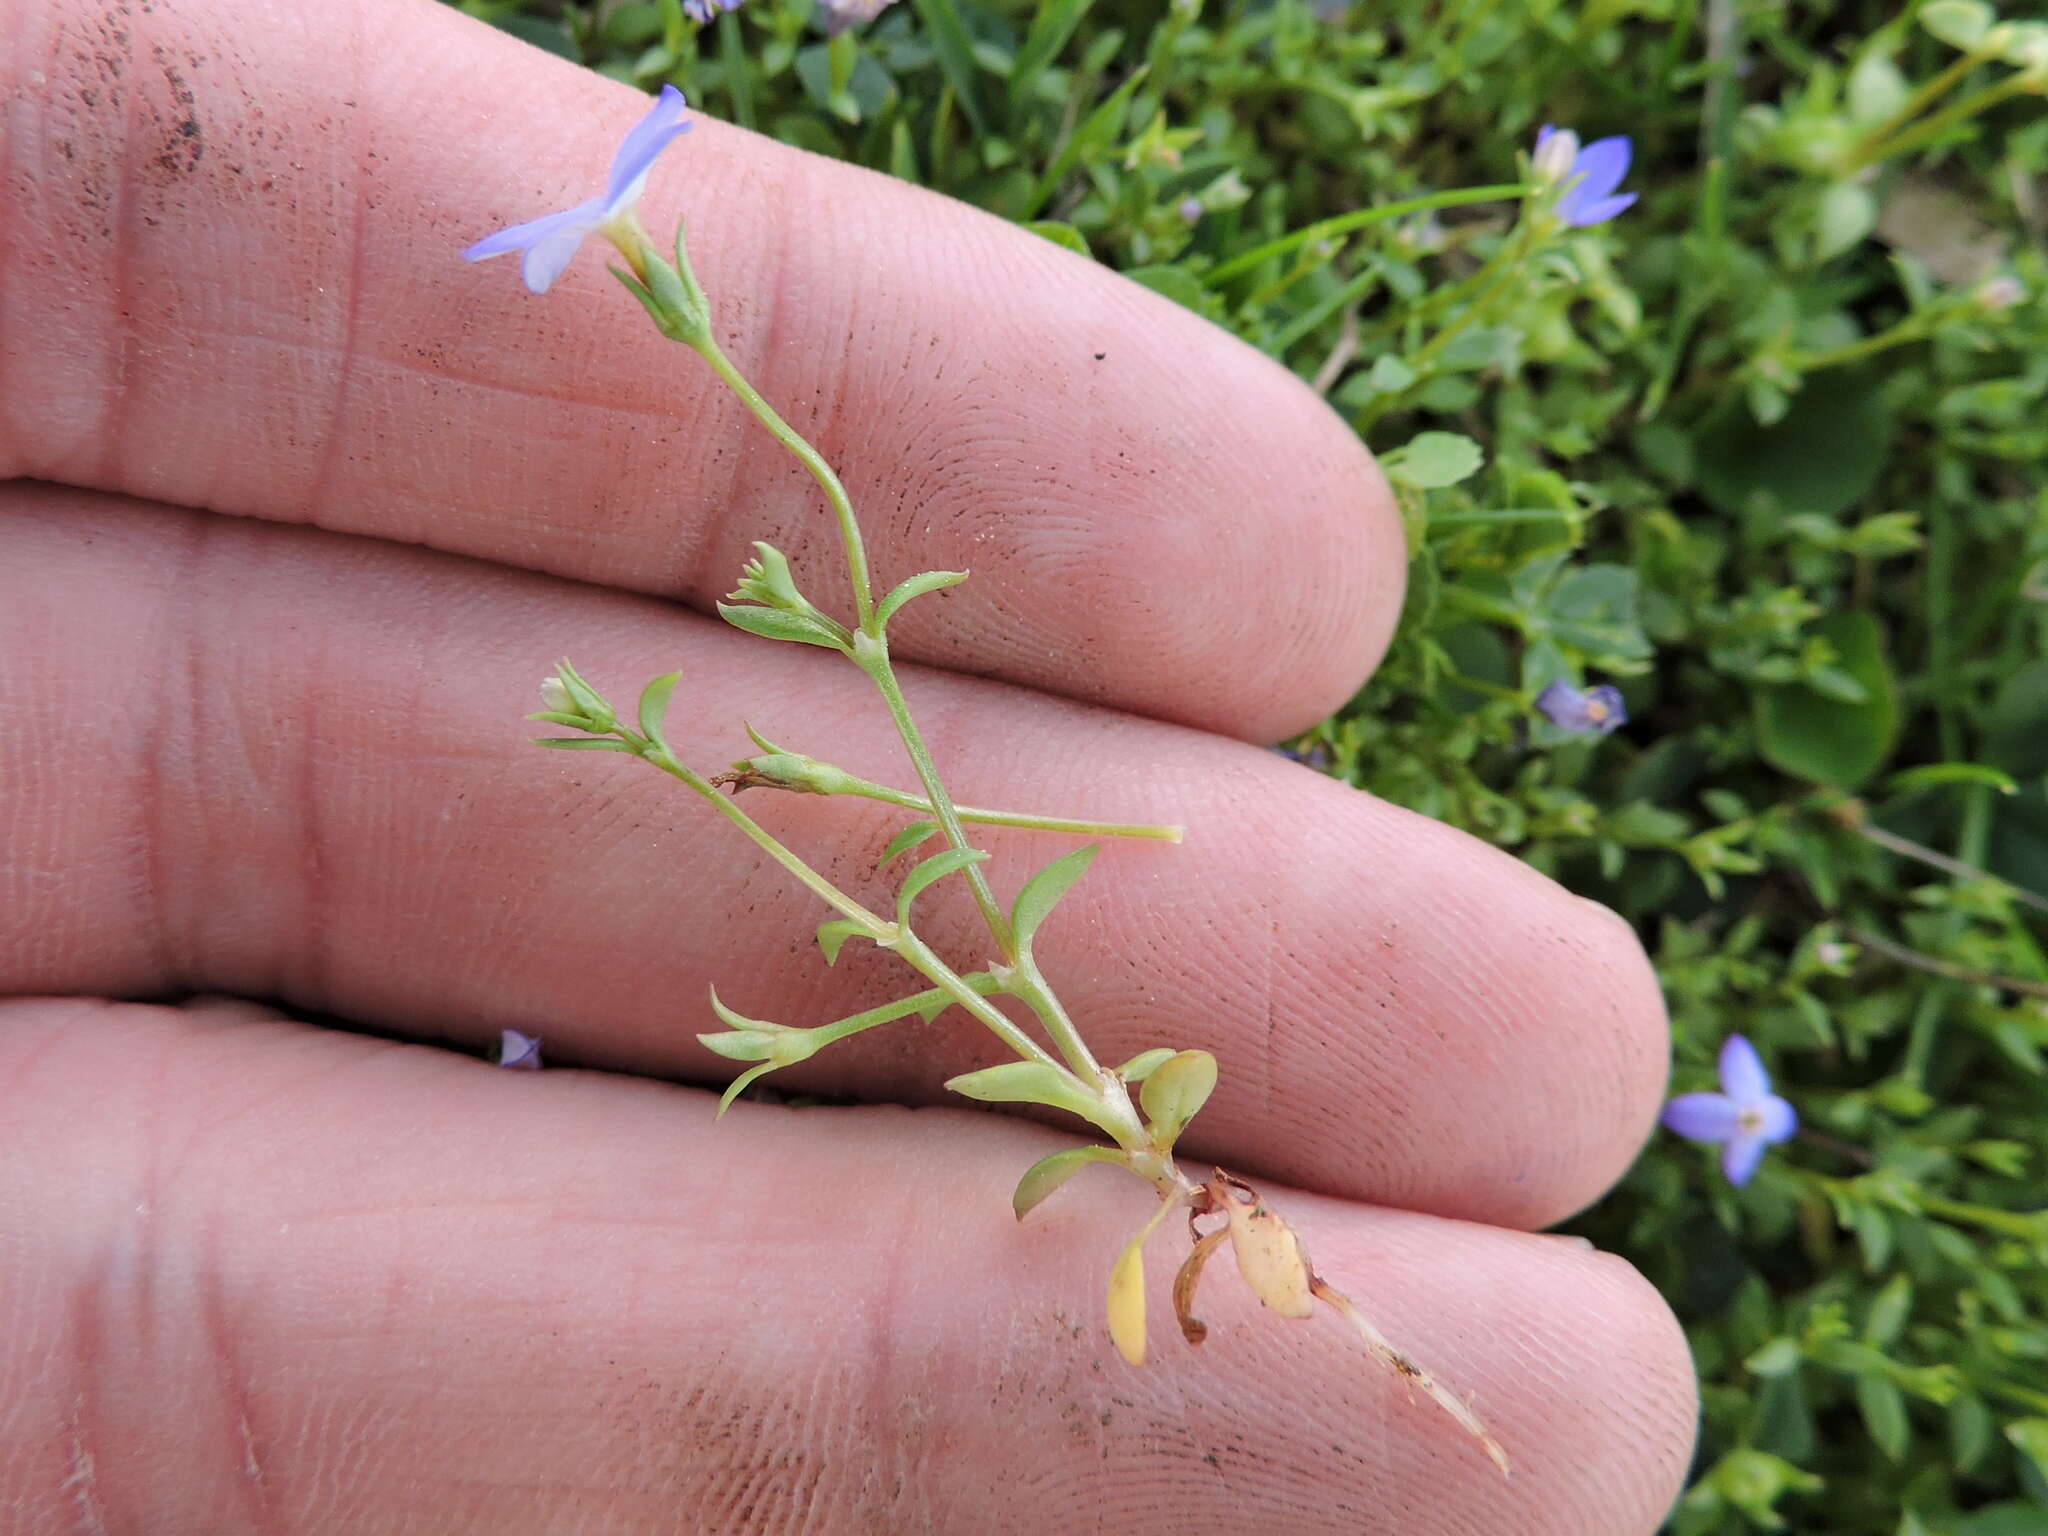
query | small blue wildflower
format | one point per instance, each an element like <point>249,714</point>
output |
<point>550,243</point>
<point>841,14</point>
<point>1745,1116</point>
<point>701,11</point>
<point>520,1053</point>
<point>1191,210</point>
<point>1589,176</point>
<point>1594,711</point>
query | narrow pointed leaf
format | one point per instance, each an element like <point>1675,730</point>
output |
<point>1031,1082</point>
<point>917,832</point>
<point>776,624</point>
<point>916,586</point>
<point>1044,889</point>
<point>1049,1173</point>
<point>832,936</point>
<point>733,1088</point>
<point>582,743</point>
<point>654,708</point>
<point>733,1020</point>
<point>933,869</point>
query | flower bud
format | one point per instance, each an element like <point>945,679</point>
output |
<point>554,697</point>
<point>1557,151</point>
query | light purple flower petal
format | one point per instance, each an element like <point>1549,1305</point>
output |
<point>1585,217</point>
<point>520,1053</point>
<point>1778,1119</point>
<point>1602,163</point>
<point>1740,1157</point>
<point>1596,709</point>
<point>522,236</point>
<point>1702,1116</point>
<point>650,136</point>
<point>1743,1077</point>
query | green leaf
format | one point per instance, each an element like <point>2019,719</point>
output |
<point>733,1088</point>
<point>545,33</point>
<point>955,47</point>
<point>1061,234</point>
<point>1932,775</point>
<point>1823,455</point>
<point>1097,129</point>
<point>1847,211</point>
<point>917,832</point>
<point>916,586</point>
<point>1174,1093</point>
<point>582,743</point>
<point>832,936</point>
<point>1888,1312</point>
<point>1823,740</point>
<point>1030,1082</point>
<point>1140,1066</point>
<point>1433,460</point>
<point>654,708</point>
<point>933,869</point>
<point>1177,284</point>
<point>1044,889</point>
<point>2030,1436</point>
<point>1883,1408</point>
<point>1959,23</point>
<point>1049,1173</point>
<point>778,624</point>
<point>1050,29</point>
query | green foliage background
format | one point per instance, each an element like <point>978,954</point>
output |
<point>1758,452</point>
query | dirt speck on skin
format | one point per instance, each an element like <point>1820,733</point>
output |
<point>184,143</point>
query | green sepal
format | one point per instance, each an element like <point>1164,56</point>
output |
<point>758,739</point>
<point>779,624</point>
<point>654,708</point>
<point>732,1089</point>
<point>917,832</point>
<point>1049,1173</point>
<point>768,579</point>
<point>1044,889</point>
<point>916,586</point>
<point>582,743</point>
<point>740,1044</point>
<point>595,709</point>
<point>932,870</point>
<point>1145,1063</point>
<point>1031,1082</point>
<point>832,936</point>
<point>1174,1093</point>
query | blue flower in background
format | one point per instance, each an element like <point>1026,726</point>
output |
<point>521,1053</point>
<point>701,11</point>
<point>1745,1116</point>
<point>1594,711</point>
<point>1589,176</point>
<point>551,243</point>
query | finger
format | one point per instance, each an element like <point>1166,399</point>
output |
<point>234,241</point>
<point>270,1277</point>
<point>291,765</point>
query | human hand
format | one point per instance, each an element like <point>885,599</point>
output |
<point>265,743</point>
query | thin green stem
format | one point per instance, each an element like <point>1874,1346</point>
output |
<point>1911,329</point>
<point>868,790</point>
<point>1931,128</point>
<point>922,958</point>
<point>1345,223</point>
<point>1029,984</point>
<point>879,927</point>
<point>811,459</point>
<point>1922,98</point>
<point>873,658</point>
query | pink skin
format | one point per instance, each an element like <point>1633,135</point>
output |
<point>268,1277</point>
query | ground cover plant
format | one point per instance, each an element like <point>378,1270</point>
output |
<point>1729,550</point>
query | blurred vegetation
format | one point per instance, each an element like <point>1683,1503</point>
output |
<point>1767,451</point>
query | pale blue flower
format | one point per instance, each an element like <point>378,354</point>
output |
<point>1589,176</point>
<point>550,243</point>
<point>1591,711</point>
<point>520,1053</point>
<point>701,11</point>
<point>841,14</point>
<point>1745,1117</point>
